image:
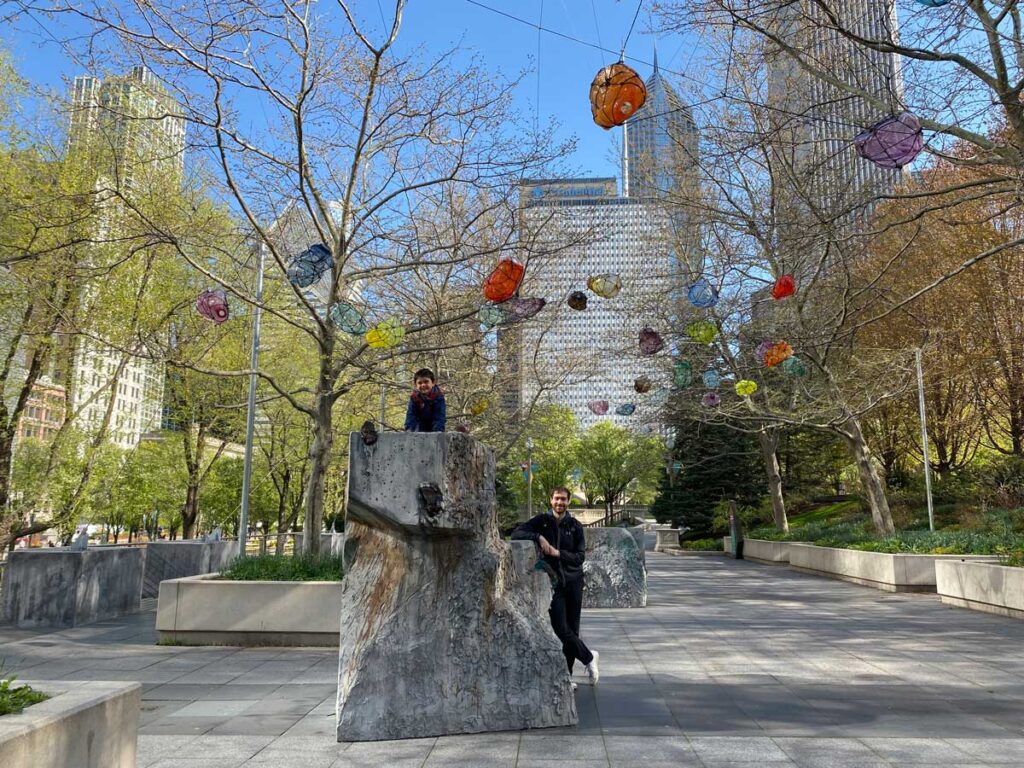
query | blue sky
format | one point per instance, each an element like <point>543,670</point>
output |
<point>565,68</point>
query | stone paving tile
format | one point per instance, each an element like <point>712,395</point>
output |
<point>996,751</point>
<point>260,725</point>
<point>213,708</point>
<point>544,746</point>
<point>737,749</point>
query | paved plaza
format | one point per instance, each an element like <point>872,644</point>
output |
<point>731,664</point>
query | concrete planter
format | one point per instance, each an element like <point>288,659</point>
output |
<point>985,587</point>
<point>668,538</point>
<point>892,573</point>
<point>83,725</point>
<point>64,587</point>
<point>764,551</point>
<point>205,610</point>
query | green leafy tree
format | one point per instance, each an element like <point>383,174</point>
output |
<point>617,463</point>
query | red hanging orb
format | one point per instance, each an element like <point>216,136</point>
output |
<point>784,287</point>
<point>502,284</point>
<point>616,94</point>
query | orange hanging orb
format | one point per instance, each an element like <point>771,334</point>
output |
<point>777,353</point>
<point>502,284</point>
<point>616,94</point>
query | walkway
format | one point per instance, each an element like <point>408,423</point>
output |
<point>731,664</point>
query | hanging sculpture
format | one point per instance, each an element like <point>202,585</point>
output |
<point>643,384</point>
<point>503,282</point>
<point>711,379</point>
<point>702,331</point>
<point>463,428</point>
<point>616,93</point>
<point>702,294</point>
<point>934,3</point>
<point>794,366</point>
<point>479,406</point>
<point>606,286</point>
<point>577,300</point>
<point>386,334</point>
<point>683,374</point>
<point>347,318</point>
<point>309,266</point>
<point>523,309</point>
<point>746,387</point>
<point>650,341</point>
<point>711,400</point>
<point>490,316</point>
<point>626,409</point>
<point>213,305</point>
<point>598,407</point>
<point>893,142</point>
<point>785,286</point>
<point>777,353</point>
<point>660,396</point>
<point>762,350</point>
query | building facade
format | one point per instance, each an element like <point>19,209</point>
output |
<point>576,229</point>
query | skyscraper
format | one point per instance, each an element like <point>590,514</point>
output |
<point>576,229</point>
<point>133,130</point>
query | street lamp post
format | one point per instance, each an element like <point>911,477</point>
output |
<point>529,478</point>
<point>924,440</point>
<point>250,418</point>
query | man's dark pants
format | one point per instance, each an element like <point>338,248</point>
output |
<point>566,606</point>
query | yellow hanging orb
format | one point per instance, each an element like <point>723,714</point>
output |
<point>479,406</point>
<point>702,332</point>
<point>606,286</point>
<point>746,387</point>
<point>387,334</point>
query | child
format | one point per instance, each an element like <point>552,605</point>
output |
<point>426,412</point>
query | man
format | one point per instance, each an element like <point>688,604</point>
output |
<point>560,538</point>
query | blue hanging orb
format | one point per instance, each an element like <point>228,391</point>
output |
<point>626,409</point>
<point>711,379</point>
<point>934,3</point>
<point>702,294</point>
<point>309,266</point>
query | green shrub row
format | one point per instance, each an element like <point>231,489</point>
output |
<point>283,568</point>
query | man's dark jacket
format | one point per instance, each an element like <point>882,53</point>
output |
<point>565,536</point>
<point>426,413</point>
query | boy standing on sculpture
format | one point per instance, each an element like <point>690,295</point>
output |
<point>426,411</point>
<point>560,538</point>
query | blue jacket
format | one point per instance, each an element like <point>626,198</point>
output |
<point>426,413</point>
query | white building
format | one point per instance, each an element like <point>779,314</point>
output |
<point>134,129</point>
<point>572,229</point>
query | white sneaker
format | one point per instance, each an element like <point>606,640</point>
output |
<point>574,686</point>
<point>592,671</point>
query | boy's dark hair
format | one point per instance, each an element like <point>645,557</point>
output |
<point>561,489</point>
<point>424,373</point>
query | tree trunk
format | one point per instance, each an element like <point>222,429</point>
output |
<point>190,510</point>
<point>769,441</point>
<point>871,481</point>
<point>319,460</point>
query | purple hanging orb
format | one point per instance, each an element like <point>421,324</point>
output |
<point>711,400</point>
<point>213,305</point>
<point>598,407</point>
<point>523,309</point>
<point>651,341</point>
<point>892,142</point>
<point>762,350</point>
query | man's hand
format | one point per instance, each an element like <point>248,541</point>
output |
<point>545,548</point>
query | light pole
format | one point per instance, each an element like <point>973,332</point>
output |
<point>924,440</point>
<point>529,478</point>
<point>250,417</point>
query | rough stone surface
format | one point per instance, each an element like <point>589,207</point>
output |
<point>62,587</point>
<point>177,559</point>
<point>614,573</point>
<point>444,626</point>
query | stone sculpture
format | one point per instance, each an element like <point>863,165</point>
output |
<point>444,626</point>
<point>614,573</point>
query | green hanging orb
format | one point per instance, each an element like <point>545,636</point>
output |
<point>683,374</point>
<point>348,319</point>
<point>794,366</point>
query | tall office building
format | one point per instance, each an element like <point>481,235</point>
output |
<point>135,132</point>
<point>574,229</point>
<point>815,121</point>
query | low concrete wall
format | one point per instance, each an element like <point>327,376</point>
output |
<point>764,551</point>
<point>984,587</point>
<point>83,725</point>
<point>178,559</point>
<point>892,573</point>
<point>613,571</point>
<point>205,610</point>
<point>63,587</point>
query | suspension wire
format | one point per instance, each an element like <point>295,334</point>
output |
<point>540,29</point>
<point>636,15</point>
